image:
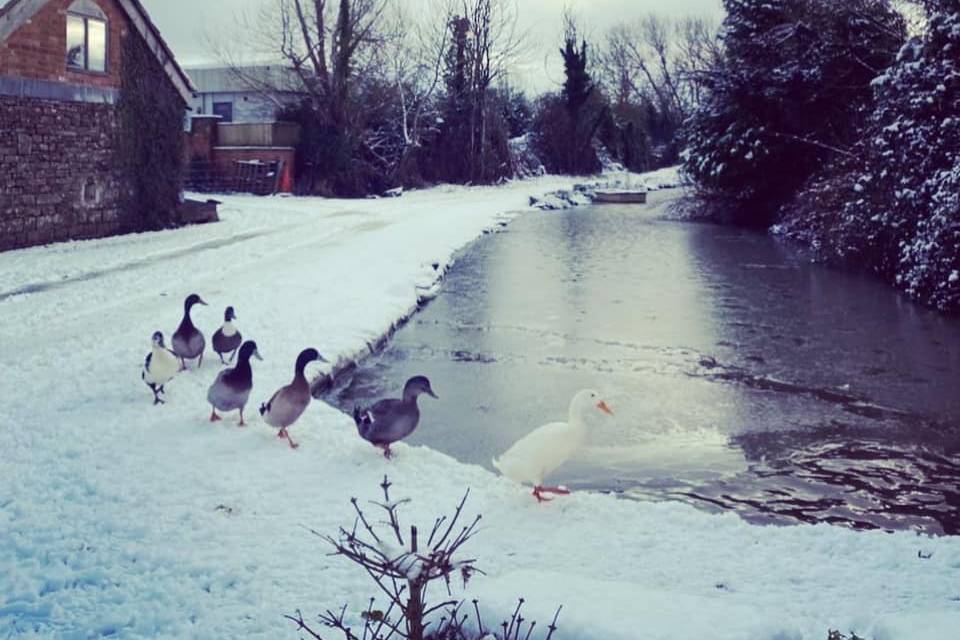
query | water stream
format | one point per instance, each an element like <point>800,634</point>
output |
<point>743,377</point>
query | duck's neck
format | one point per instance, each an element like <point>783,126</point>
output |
<point>187,322</point>
<point>578,423</point>
<point>243,364</point>
<point>299,377</point>
<point>410,397</point>
<point>228,328</point>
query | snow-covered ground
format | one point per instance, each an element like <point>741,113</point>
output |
<point>122,519</point>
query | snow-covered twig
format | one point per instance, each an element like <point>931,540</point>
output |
<point>404,573</point>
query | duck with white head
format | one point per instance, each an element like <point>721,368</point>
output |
<point>539,453</point>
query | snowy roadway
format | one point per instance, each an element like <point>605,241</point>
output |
<point>122,519</point>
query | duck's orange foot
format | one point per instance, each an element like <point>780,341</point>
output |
<point>538,494</point>
<point>214,417</point>
<point>539,491</point>
<point>283,434</point>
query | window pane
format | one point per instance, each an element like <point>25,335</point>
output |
<point>75,36</point>
<point>96,45</point>
<point>224,110</point>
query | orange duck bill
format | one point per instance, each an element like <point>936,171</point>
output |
<point>603,406</point>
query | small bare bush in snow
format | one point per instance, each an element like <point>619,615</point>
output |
<point>404,564</point>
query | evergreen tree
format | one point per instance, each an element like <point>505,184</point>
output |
<point>452,149</point>
<point>577,84</point>
<point>472,143</point>
<point>786,97</point>
<point>566,125</point>
<point>517,112</point>
<point>898,210</point>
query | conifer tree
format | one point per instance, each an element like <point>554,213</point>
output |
<point>899,207</point>
<point>786,97</point>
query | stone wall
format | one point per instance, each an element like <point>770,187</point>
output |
<point>58,173</point>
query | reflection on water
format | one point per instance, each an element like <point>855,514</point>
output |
<point>742,377</point>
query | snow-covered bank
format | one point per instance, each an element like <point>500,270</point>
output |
<point>151,522</point>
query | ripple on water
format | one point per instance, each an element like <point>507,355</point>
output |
<point>743,377</point>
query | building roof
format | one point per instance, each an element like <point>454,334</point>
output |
<point>246,78</point>
<point>15,13</point>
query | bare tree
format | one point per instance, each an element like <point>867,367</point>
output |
<point>655,60</point>
<point>494,43</point>
<point>412,61</point>
<point>324,46</point>
<point>698,50</point>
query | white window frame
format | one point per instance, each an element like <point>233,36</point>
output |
<point>87,10</point>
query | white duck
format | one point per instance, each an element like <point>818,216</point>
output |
<point>541,451</point>
<point>159,367</point>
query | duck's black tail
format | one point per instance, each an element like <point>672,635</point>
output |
<point>264,406</point>
<point>362,418</point>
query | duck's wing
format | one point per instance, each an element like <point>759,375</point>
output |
<point>537,454</point>
<point>223,343</point>
<point>196,343</point>
<point>384,409</point>
<point>270,410</point>
<point>146,367</point>
<point>287,405</point>
<point>219,380</point>
<point>178,342</point>
<point>160,367</point>
<point>388,421</point>
<point>184,329</point>
<point>266,406</point>
<point>219,393</point>
<point>374,413</point>
<point>188,341</point>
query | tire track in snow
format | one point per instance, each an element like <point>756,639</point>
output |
<point>142,263</point>
<point>126,302</point>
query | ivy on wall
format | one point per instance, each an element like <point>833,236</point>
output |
<point>150,150</point>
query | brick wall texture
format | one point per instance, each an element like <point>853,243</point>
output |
<point>59,179</point>
<point>60,176</point>
<point>38,49</point>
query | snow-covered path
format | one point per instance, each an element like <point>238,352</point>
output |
<point>118,518</point>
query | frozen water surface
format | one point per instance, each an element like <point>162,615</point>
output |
<point>742,376</point>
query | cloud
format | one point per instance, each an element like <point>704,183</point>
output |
<point>187,26</point>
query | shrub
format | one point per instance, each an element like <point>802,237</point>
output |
<point>403,566</point>
<point>785,97</point>
<point>894,204</point>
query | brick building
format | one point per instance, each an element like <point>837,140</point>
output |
<point>60,79</point>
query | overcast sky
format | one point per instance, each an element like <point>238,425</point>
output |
<point>187,25</point>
